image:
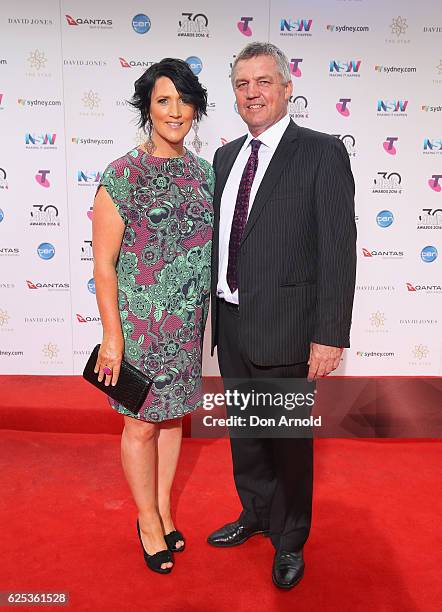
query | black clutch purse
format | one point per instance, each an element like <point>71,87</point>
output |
<point>132,385</point>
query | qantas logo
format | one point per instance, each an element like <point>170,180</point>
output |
<point>91,22</point>
<point>32,285</point>
<point>71,20</point>
<point>426,288</point>
<point>133,63</point>
<point>384,254</point>
<point>82,319</point>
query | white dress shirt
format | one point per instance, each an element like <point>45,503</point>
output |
<point>270,140</point>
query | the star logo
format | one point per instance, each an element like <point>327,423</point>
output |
<point>91,99</point>
<point>50,350</point>
<point>439,68</point>
<point>420,351</point>
<point>377,319</point>
<point>399,26</point>
<point>4,317</point>
<point>37,59</point>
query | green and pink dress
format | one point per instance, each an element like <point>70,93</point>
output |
<point>163,273</point>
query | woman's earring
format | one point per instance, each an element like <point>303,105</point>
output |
<point>149,145</point>
<point>196,143</point>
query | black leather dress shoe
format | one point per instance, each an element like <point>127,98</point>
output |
<point>233,534</point>
<point>288,568</point>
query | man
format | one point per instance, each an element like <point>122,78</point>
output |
<point>283,266</point>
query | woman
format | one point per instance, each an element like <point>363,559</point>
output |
<point>152,230</point>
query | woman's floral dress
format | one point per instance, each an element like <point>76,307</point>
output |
<point>163,273</point>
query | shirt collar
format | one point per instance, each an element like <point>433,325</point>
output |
<point>270,137</point>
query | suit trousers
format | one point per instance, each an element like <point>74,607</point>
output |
<point>273,476</point>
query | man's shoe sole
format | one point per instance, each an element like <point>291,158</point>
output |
<point>287,586</point>
<point>264,533</point>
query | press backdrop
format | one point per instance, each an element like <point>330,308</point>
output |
<point>367,71</point>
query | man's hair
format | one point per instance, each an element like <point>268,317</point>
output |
<point>255,49</point>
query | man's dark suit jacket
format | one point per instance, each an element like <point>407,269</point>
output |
<point>297,259</point>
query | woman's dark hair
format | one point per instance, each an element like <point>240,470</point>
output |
<point>186,84</point>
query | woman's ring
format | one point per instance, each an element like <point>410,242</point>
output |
<point>107,370</point>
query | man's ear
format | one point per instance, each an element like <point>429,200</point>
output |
<point>288,90</point>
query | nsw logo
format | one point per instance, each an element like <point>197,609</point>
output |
<point>432,146</point>
<point>46,250</point>
<point>386,108</point>
<point>349,68</point>
<point>88,177</point>
<point>243,26</point>
<point>295,27</point>
<point>35,141</point>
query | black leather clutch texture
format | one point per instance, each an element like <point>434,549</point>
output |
<point>132,385</point>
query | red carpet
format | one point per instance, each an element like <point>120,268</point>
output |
<point>68,523</point>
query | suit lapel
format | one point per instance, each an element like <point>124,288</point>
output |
<point>284,151</point>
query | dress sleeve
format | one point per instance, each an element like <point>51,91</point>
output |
<point>116,181</point>
<point>209,174</point>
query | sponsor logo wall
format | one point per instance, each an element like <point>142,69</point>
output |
<point>365,71</point>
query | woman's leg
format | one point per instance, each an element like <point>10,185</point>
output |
<point>169,445</point>
<point>139,461</point>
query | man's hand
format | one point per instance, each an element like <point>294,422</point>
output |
<point>323,360</point>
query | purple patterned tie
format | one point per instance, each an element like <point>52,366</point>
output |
<point>240,215</point>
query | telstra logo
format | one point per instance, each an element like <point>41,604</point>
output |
<point>243,26</point>
<point>41,179</point>
<point>294,67</point>
<point>342,106</point>
<point>434,184</point>
<point>388,145</point>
